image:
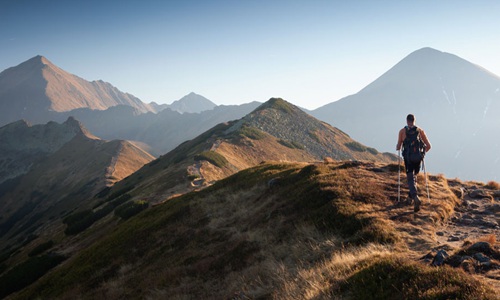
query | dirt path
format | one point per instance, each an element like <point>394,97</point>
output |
<point>476,219</point>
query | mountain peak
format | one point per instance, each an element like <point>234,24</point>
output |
<point>78,128</point>
<point>192,103</point>
<point>278,104</point>
<point>38,61</point>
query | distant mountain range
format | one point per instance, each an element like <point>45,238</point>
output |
<point>72,182</point>
<point>265,205</point>
<point>37,87</point>
<point>275,131</point>
<point>48,169</point>
<point>441,89</point>
<point>38,91</point>
<point>192,103</point>
<point>456,102</point>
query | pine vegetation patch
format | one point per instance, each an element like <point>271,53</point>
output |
<point>27,272</point>
<point>41,248</point>
<point>131,208</point>
<point>291,144</point>
<point>212,157</point>
<point>355,146</point>
<point>79,221</point>
<point>252,133</point>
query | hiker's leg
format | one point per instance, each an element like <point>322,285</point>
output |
<point>414,195</point>
<point>412,183</point>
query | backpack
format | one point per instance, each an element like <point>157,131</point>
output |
<point>413,146</point>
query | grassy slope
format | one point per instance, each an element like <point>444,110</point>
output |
<point>282,231</point>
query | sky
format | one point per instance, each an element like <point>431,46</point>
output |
<point>309,53</point>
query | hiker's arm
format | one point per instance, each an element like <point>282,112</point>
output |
<point>426,141</point>
<point>401,138</point>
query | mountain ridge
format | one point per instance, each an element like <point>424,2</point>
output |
<point>444,92</point>
<point>37,87</point>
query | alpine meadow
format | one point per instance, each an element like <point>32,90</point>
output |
<point>104,196</point>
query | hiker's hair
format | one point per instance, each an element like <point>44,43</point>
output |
<point>410,117</point>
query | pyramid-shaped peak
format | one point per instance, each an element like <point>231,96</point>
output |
<point>78,128</point>
<point>37,61</point>
<point>192,103</point>
<point>278,104</point>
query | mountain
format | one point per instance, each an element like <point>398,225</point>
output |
<point>161,132</point>
<point>251,209</point>
<point>192,103</point>
<point>22,145</point>
<point>456,102</point>
<point>37,87</point>
<point>274,131</point>
<point>274,231</point>
<point>54,168</point>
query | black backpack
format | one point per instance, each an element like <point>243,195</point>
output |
<point>413,146</point>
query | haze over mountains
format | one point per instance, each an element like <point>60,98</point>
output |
<point>36,87</point>
<point>456,102</point>
<point>38,92</point>
<point>248,207</point>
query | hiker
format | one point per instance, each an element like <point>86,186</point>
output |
<point>415,144</point>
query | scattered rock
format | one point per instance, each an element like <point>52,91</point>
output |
<point>483,247</point>
<point>482,259</point>
<point>479,193</point>
<point>440,233</point>
<point>495,208</point>
<point>474,206</point>
<point>453,238</point>
<point>439,258</point>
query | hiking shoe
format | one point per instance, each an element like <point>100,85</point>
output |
<point>416,208</point>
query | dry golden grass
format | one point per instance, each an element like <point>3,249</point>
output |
<point>493,185</point>
<point>305,236</point>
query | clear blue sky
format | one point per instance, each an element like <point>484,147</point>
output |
<point>308,52</point>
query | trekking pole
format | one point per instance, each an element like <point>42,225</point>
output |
<point>426,184</point>
<point>399,175</point>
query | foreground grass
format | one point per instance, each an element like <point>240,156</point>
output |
<point>276,231</point>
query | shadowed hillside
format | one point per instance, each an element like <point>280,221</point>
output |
<point>276,231</point>
<point>66,166</point>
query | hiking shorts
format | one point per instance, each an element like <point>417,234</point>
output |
<point>412,167</point>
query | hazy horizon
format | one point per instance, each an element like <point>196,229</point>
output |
<point>234,52</point>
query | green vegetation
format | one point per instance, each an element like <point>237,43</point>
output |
<point>252,133</point>
<point>278,104</point>
<point>314,136</point>
<point>213,157</point>
<point>302,229</point>
<point>79,221</point>
<point>27,208</point>
<point>27,272</point>
<point>130,209</point>
<point>103,193</point>
<point>120,192</point>
<point>393,278</point>
<point>291,144</point>
<point>355,146</point>
<point>41,248</point>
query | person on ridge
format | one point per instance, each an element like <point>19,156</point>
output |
<point>415,144</point>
